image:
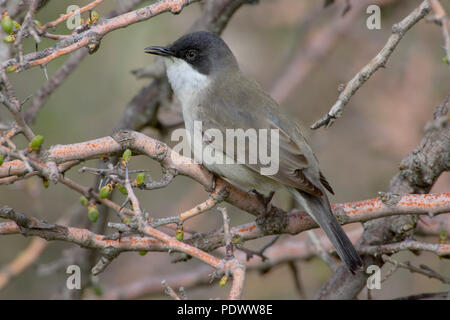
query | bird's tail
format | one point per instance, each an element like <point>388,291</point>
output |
<point>319,209</point>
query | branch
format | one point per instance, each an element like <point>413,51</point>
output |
<point>379,61</point>
<point>156,150</point>
<point>439,249</point>
<point>296,222</point>
<point>92,36</point>
<point>67,68</point>
<point>317,48</point>
<point>66,16</point>
<point>22,261</point>
<point>169,291</point>
<point>288,251</point>
<point>215,17</point>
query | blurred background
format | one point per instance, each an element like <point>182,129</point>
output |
<point>298,42</point>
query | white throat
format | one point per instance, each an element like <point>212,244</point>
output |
<point>187,83</point>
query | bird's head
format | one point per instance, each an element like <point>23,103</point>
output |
<point>202,51</point>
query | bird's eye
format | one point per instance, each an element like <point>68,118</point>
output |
<point>191,55</point>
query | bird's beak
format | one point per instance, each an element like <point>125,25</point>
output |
<point>159,51</point>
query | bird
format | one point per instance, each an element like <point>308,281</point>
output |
<point>206,78</point>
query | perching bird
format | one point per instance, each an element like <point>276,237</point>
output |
<point>205,77</point>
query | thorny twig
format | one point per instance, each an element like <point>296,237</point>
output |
<point>9,99</point>
<point>379,61</point>
<point>27,26</point>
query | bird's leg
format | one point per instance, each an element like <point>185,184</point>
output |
<point>213,183</point>
<point>260,253</point>
<point>267,203</point>
<point>265,200</point>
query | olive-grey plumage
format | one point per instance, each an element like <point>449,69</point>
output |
<point>206,78</point>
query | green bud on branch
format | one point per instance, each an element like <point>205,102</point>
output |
<point>223,281</point>
<point>45,183</point>
<point>126,220</point>
<point>93,213</point>
<point>126,156</point>
<point>7,23</point>
<point>122,189</point>
<point>9,39</point>
<point>84,201</point>
<point>11,69</point>
<point>36,143</point>
<point>179,235</point>
<point>16,24</point>
<point>105,191</point>
<point>94,16</point>
<point>140,179</point>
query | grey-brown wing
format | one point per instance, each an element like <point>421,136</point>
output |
<point>259,112</point>
<point>325,183</point>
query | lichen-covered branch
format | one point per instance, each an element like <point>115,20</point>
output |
<point>297,222</point>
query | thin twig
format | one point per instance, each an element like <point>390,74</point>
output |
<point>379,61</point>
<point>423,269</point>
<point>27,26</point>
<point>12,103</point>
<point>438,249</point>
